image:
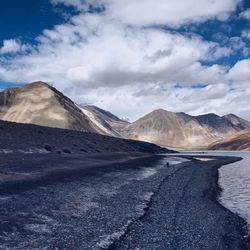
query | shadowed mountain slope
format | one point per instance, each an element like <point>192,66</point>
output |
<point>219,126</point>
<point>237,121</point>
<point>33,138</point>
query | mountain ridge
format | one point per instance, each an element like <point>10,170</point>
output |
<point>181,130</point>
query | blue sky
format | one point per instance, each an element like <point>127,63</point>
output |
<point>27,18</point>
<point>132,56</point>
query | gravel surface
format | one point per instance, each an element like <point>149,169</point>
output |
<point>141,203</point>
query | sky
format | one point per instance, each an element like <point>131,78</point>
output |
<point>132,56</point>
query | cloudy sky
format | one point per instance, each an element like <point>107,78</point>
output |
<point>132,56</point>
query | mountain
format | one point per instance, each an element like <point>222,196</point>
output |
<point>40,104</point>
<point>237,121</point>
<point>179,130</point>
<point>105,122</point>
<point>176,130</point>
<point>217,126</point>
<point>238,141</point>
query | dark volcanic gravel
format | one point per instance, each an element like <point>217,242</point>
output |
<point>138,204</point>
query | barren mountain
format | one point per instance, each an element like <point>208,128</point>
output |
<point>179,130</point>
<point>238,141</point>
<point>237,121</point>
<point>40,104</point>
<point>217,126</point>
<point>105,122</point>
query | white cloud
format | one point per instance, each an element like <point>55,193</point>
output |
<point>12,46</point>
<point>93,51</point>
<point>131,70</point>
<point>171,12</point>
<point>245,14</point>
<point>240,71</point>
<point>135,101</point>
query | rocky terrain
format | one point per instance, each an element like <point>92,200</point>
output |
<point>238,141</point>
<point>73,201</point>
<point>32,138</point>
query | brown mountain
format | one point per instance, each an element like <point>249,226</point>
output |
<point>238,141</point>
<point>40,104</point>
<point>179,130</point>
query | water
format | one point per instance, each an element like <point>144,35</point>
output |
<point>234,180</point>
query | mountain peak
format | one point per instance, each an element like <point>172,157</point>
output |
<point>160,110</point>
<point>37,84</point>
<point>231,115</point>
<point>240,123</point>
<point>209,115</point>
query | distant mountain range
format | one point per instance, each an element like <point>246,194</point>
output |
<point>180,130</point>
<point>40,104</point>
